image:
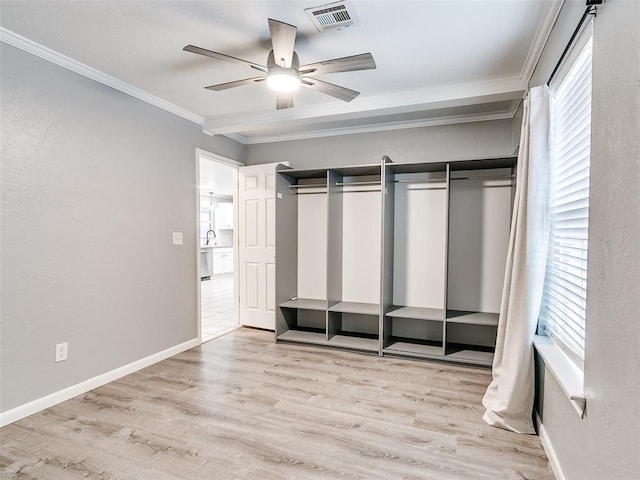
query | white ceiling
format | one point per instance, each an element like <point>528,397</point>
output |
<point>437,61</point>
<point>216,178</point>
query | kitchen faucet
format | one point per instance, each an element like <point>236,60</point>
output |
<point>208,237</point>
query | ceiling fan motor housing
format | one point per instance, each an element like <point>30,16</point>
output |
<point>281,78</point>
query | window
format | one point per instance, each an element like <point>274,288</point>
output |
<point>563,311</point>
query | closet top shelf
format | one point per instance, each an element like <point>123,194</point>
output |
<point>485,163</point>
<point>358,170</point>
<point>417,167</point>
<point>412,167</point>
<point>312,173</point>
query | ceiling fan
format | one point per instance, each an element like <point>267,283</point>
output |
<point>283,72</point>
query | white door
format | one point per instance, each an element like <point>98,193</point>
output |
<point>257,242</point>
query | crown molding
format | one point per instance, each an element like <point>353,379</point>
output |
<point>29,46</point>
<point>549,18</point>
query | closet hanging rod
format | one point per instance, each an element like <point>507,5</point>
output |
<point>426,180</point>
<point>429,188</point>
<point>365,190</point>
<point>309,185</point>
<point>349,184</point>
<point>486,177</point>
<point>302,192</point>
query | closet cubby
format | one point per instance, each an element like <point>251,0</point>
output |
<point>301,255</point>
<point>480,208</point>
<point>396,258</point>
<point>415,233</point>
<point>353,250</point>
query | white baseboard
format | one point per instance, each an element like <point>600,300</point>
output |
<point>48,401</point>
<point>548,449</point>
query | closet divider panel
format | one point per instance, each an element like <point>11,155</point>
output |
<point>334,238</point>
<point>386,274</point>
<point>286,247</point>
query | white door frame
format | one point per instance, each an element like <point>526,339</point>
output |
<point>203,154</point>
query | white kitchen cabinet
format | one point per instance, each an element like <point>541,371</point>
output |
<point>224,216</point>
<point>222,261</point>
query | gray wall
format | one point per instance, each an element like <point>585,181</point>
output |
<point>93,183</point>
<point>604,445</point>
<point>447,142</point>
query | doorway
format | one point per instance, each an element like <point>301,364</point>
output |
<point>217,244</point>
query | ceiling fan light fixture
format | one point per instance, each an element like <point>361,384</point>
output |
<point>283,79</point>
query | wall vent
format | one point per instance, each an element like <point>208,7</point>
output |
<point>331,16</point>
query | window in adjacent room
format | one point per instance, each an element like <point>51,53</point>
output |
<point>563,312</point>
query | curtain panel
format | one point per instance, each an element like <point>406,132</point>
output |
<point>509,398</point>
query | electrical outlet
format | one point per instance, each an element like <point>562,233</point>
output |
<point>177,238</point>
<point>62,351</point>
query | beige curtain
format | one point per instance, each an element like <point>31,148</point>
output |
<point>509,397</point>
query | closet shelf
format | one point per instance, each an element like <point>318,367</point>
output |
<point>304,336</point>
<point>353,342</point>
<point>411,348</point>
<point>418,313</point>
<point>356,307</point>
<point>305,304</point>
<point>426,180</point>
<point>472,318</point>
<point>470,355</point>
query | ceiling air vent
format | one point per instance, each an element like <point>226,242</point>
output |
<point>331,16</point>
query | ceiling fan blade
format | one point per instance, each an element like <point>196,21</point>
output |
<point>336,91</point>
<point>363,61</point>
<point>283,38</point>
<point>284,100</point>
<point>237,83</point>
<point>222,56</point>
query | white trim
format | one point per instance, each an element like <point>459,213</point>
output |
<point>60,396</point>
<point>542,35</point>
<point>52,56</point>
<point>198,193</point>
<point>548,449</point>
<point>216,158</point>
<point>567,374</point>
<point>380,127</point>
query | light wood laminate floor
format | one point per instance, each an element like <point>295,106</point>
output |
<point>242,407</point>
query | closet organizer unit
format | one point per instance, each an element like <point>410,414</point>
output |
<point>328,262</point>
<point>414,268</point>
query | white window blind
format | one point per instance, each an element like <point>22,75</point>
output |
<point>563,311</point>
